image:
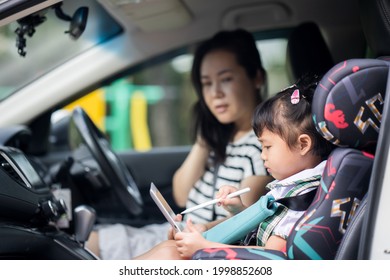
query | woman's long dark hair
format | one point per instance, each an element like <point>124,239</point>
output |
<point>241,44</point>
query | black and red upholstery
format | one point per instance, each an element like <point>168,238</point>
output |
<point>347,110</point>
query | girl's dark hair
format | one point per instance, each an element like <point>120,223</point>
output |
<point>242,44</point>
<point>280,116</point>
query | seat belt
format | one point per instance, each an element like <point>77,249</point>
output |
<point>298,203</point>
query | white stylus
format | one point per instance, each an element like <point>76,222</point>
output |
<point>214,201</point>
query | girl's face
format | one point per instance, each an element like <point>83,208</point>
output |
<point>280,160</point>
<point>227,90</point>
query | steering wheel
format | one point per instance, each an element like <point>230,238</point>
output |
<point>110,164</point>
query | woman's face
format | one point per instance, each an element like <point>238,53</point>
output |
<point>227,90</point>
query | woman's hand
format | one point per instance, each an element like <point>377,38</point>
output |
<point>190,240</point>
<point>179,219</point>
<point>233,205</point>
<point>171,231</point>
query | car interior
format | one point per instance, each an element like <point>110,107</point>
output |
<point>61,174</point>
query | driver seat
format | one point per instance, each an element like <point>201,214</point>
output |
<point>347,110</point>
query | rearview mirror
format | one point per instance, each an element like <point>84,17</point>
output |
<point>78,21</point>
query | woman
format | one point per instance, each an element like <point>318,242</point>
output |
<point>228,78</point>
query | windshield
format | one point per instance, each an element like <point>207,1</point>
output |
<point>41,54</point>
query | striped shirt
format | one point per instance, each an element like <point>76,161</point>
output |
<point>242,161</point>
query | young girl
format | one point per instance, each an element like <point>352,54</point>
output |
<point>294,154</point>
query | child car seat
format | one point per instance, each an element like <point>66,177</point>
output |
<point>347,111</point>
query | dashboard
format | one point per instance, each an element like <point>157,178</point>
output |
<point>29,212</point>
<point>24,196</point>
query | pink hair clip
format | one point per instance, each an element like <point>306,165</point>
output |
<point>295,97</point>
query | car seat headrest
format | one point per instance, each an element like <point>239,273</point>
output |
<point>348,103</point>
<point>374,15</point>
<point>307,51</point>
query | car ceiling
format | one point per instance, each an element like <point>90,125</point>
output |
<point>168,20</point>
<point>204,18</point>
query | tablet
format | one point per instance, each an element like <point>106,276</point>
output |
<point>164,207</point>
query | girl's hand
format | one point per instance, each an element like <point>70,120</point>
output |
<point>232,205</point>
<point>189,241</point>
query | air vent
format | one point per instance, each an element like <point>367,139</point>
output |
<point>9,167</point>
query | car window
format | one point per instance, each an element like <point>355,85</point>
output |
<point>43,55</point>
<point>151,107</point>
